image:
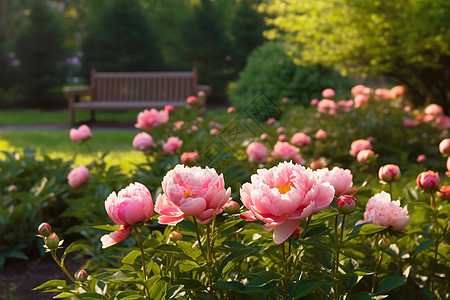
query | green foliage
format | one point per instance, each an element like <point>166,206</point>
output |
<point>270,70</point>
<point>39,46</point>
<point>371,38</point>
<point>120,38</point>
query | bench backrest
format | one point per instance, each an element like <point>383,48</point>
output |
<point>143,86</point>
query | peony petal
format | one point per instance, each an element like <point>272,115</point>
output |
<point>171,220</point>
<point>193,206</point>
<point>248,216</point>
<point>282,232</point>
<point>115,237</point>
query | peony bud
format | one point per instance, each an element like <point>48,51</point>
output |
<point>388,173</point>
<point>231,207</point>
<point>315,165</point>
<point>12,188</point>
<point>45,229</point>
<point>52,241</point>
<point>444,192</point>
<point>428,180</point>
<point>346,204</point>
<point>421,158</point>
<point>383,243</point>
<point>444,146</point>
<point>296,234</point>
<point>175,236</point>
<point>81,276</point>
<point>365,156</point>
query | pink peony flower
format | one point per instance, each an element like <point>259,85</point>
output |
<point>360,100</point>
<point>357,89</point>
<point>397,91</point>
<point>190,157</point>
<point>81,134</point>
<point>326,106</point>
<point>443,122</point>
<point>192,100</point>
<point>173,144</point>
<point>359,145</point>
<point>428,180</point>
<point>147,119</point>
<point>142,141</point>
<point>421,158</point>
<point>191,192</point>
<point>434,109</point>
<point>78,176</point>
<point>283,195</point>
<point>194,128</point>
<point>285,151</point>
<point>178,124</point>
<point>314,102</point>
<point>448,167</point>
<point>321,134</point>
<point>280,129</point>
<point>264,136</point>
<point>257,152</point>
<point>131,205</point>
<point>363,155</point>
<point>345,105</point>
<point>328,93</point>
<point>282,137</point>
<point>231,109</point>
<point>389,172</point>
<point>300,139</point>
<point>214,131</point>
<point>12,188</point>
<point>381,211</point>
<point>169,108</point>
<point>444,146</point>
<point>285,100</point>
<point>382,94</point>
<point>410,123</point>
<point>444,192</point>
<point>270,121</point>
<point>340,179</point>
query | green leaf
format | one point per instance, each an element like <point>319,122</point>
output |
<point>16,254</point>
<point>64,295</point>
<point>263,279</point>
<point>71,248</point>
<point>316,231</point>
<point>228,224</point>
<point>173,291</point>
<point>366,296</point>
<point>305,287</point>
<point>93,296</point>
<point>229,285</point>
<point>131,257</point>
<point>423,246</point>
<point>107,227</point>
<point>52,284</point>
<point>389,283</point>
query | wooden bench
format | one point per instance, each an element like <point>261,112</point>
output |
<point>133,90</point>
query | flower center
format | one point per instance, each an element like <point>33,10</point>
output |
<point>284,188</point>
<point>187,194</point>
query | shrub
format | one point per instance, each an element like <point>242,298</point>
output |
<point>270,70</point>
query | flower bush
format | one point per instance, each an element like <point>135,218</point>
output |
<point>347,227</point>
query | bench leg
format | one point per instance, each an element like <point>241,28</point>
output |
<point>92,115</point>
<point>71,111</point>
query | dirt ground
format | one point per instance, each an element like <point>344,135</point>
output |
<point>18,278</point>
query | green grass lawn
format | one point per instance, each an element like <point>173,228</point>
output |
<point>35,116</point>
<point>58,144</point>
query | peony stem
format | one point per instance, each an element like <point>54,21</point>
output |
<point>307,224</point>
<point>436,240</point>
<point>198,239</point>
<point>209,260</point>
<point>390,189</point>
<point>284,270</point>
<point>61,265</point>
<point>336,262</point>
<point>144,273</point>
<point>374,282</point>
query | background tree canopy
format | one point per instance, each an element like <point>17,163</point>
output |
<point>408,40</point>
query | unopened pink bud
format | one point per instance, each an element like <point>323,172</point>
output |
<point>81,275</point>
<point>231,207</point>
<point>383,243</point>
<point>428,180</point>
<point>389,173</point>
<point>444,146</point>
<point>421,158</point>
<point>315,165</point>
<point>296,234</point>
<point>175,236</point>
<point>52,241</point>
<point>346,204</point>
<point>45,229</point>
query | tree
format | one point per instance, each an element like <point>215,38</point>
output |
<point>404,39</point>
<point>120,38</point>
<point>39,46</point>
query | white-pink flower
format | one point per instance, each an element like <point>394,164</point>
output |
<point>300,139</point>
<point>283,195</point>
<point>340,179</point>
<point>142,141</point>
<point>286,151</point>
<point>173,144</point>
<point>191,192</point>
<point>328,93</point>
<point>381,211</point>
<point>81,134</point>
<point>147,119</point>
<point>257,152</point>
